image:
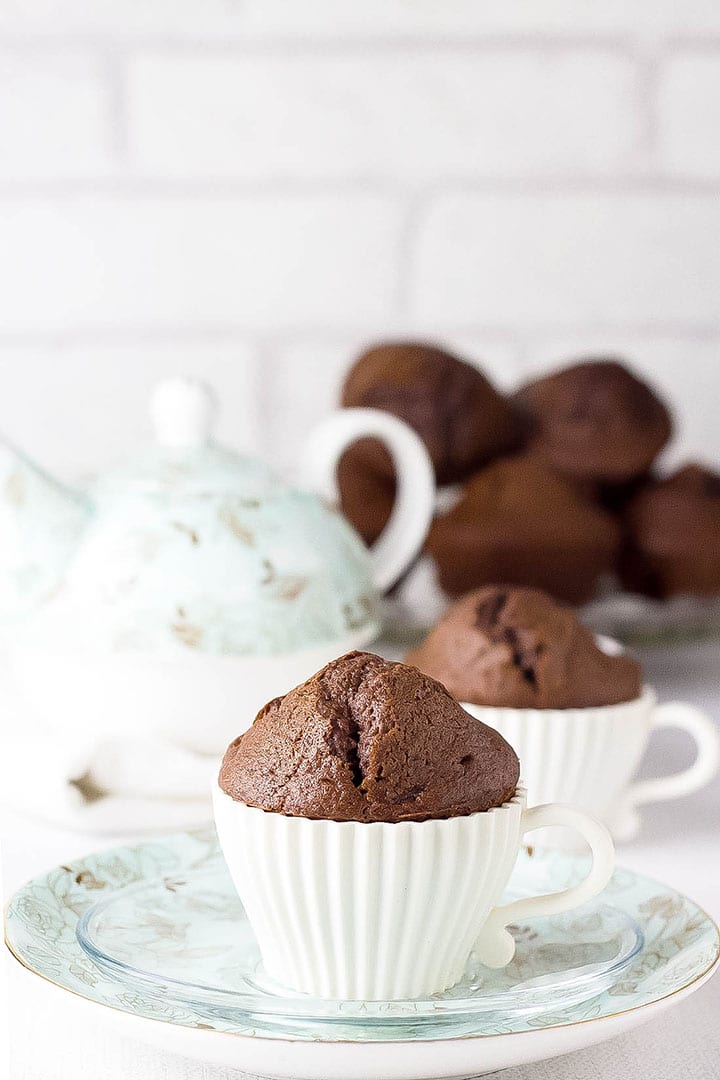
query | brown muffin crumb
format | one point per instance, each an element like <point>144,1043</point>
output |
<point>673,536</point>
<point>368,740</point>
<point>517,648</point>
<point>595,419</point>
<point>460,416</point>
<point>518,521</point>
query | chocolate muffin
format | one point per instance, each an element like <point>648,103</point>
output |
<point>517,648</point>
<point>673,536</point>
<point>366,497</point>
<point>462,419</point>
<point>518,521</point>
<point>595,419</point>
<point>369,740</point>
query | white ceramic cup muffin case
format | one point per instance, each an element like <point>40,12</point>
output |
<point>588,757</point>
<point>385,910</point>
<point>191,585</point>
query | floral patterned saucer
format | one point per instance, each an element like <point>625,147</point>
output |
<point>184,939</point>
<point>155,932</point>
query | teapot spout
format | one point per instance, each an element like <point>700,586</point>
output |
<point>40,524</point>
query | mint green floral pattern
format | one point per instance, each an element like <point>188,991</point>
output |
<point>681,943</point>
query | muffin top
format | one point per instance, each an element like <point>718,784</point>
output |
<point>673,535</point>
<point>456,411</point>
<point>519,521</point>
<point>529,502</point>
<point>368,740</point>
<point>595,419</point>
<point>683,508</point>
<point>517,648</point>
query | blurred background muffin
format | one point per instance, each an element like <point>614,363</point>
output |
<point>520,522</point>
<point>672,544</point>
<point>555,484</point>
<point>462,419</point>
<point>517,648</point>
<point>594,420</point>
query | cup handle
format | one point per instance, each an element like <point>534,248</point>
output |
<point>496,946</point>
<point>677,714</point>
<point>403,536</point>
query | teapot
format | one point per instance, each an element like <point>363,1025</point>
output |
<point>191,585</point>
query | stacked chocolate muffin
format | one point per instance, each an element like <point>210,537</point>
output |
<point>553,485</point>
<point>462,419</point>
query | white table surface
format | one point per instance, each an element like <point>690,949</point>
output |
<point>679,844</point>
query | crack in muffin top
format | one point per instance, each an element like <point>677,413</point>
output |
<point>517,648</point>
<point>367,739</point>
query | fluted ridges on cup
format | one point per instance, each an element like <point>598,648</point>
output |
<point>586,757</point>
<point>376,911</point>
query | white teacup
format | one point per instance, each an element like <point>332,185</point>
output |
<point>383,911</point>
<point>589,756</point>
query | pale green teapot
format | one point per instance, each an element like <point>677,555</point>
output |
<point>192,584</point>
<point>41,522</point>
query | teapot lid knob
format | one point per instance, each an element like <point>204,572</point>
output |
<point>182,411</point>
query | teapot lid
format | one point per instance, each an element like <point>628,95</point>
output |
<point>184,459</point>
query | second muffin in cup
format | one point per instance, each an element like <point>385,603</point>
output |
<point>575,710</point>
<point>370,826</point>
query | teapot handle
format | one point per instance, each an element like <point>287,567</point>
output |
<point>403,536</point>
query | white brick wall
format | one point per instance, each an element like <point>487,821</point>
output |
<point>55,117</point>
<point>251,190</point>
<point>689,114</point>
<point>568,258</point>
<point>374,20</point>
<point>411,117</point>
<point>172,262</point>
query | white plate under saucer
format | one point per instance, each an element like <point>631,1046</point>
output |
<point>174,964</point>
